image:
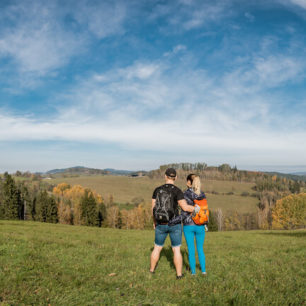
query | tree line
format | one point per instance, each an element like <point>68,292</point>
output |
<point>281,205</point>
<point>223,172</point>
<point>19,201</point>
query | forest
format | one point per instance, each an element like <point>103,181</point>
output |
<point>281,201</point>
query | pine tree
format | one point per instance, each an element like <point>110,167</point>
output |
<point>27,203</point>
<point>12,205</point>
<point>42,206</point>
<point>1,200</point>
<point>92,210</point>
<point>52,215</point>
<point>89,209</point>
<point>101,214</point>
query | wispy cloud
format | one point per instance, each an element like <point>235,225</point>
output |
<point>300,3</point>
<point>102,18</point>
<point>191,14</point>
<point>249,16</point>
<point>37,43</point>
<point>199,81</point>
<point>39,38</point>
<point>160,107</point>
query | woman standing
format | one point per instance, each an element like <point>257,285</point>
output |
<point>192,230</point>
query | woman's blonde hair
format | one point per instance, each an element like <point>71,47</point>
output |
<point>195,183</point>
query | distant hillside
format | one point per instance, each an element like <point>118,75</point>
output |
<point>118,172</point>
<point>293,176</point>
<point>299,173</point>
<point>223,172</point>
<point>79,170</point>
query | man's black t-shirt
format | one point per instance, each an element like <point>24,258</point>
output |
<point>176,192</point>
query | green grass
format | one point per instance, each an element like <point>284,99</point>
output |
<point>69,265</point>
<point>124,189</point>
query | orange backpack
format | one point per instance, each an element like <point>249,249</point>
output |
<point>202,217</point>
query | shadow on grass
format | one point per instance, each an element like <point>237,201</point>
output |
<point>168,253</point>
<point>290,234</point>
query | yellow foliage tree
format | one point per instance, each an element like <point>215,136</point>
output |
<point>69,207</point>
<point>65,213</point>
<point>113,217</point>
<point>232,222</point>
<point>290,212</point>
<point>60,188</point>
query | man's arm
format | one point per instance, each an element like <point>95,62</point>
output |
<point>153,205</point>
<point>184,206</point>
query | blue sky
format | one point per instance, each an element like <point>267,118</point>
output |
<point>135,84</point>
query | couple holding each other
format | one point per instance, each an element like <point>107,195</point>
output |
<point>167,220</point>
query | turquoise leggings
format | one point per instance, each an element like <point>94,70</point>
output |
<point>197,231</point>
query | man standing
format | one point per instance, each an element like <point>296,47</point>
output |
<point>165,202</point>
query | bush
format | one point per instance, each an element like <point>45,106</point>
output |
<point>212,224</point>
<point>245,194</point>
<point>290,212</point>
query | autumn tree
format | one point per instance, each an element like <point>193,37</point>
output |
<point>232,221</point>
<point>113,217</point>
<point>64,212</point>
<point>294,187</point>
<point>60,189</point>
<point>77,207</point>
<point>290,212</point>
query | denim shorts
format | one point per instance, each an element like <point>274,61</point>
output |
<point>175,233</point>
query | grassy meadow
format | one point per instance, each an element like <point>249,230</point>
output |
<point>57,264</point>
<point>124,189</point>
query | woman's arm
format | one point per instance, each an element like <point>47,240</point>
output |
<point>188,197</point>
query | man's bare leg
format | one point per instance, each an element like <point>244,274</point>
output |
<point>178,260</point>
<point>155,257</point>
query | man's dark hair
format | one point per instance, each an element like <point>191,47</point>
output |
<point>170,172</point>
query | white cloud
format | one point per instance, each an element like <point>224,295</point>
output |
<point>175,50</point>
<point>166,105</point>
<point>264,71</point>
<point>191,14</point>
<point>249,16</point>
<point>159,107</point>
<point>167,137</point>
<point>140,70</point>
<point>102,19</point>
<point>300,3</point>
<point>276,70</point>
<point>203,13</point>
<point>39,49</point>
<point>39,40</point>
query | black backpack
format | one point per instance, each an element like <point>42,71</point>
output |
<point>164,206</point>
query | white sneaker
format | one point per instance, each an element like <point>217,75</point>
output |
<point>204,273</point>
